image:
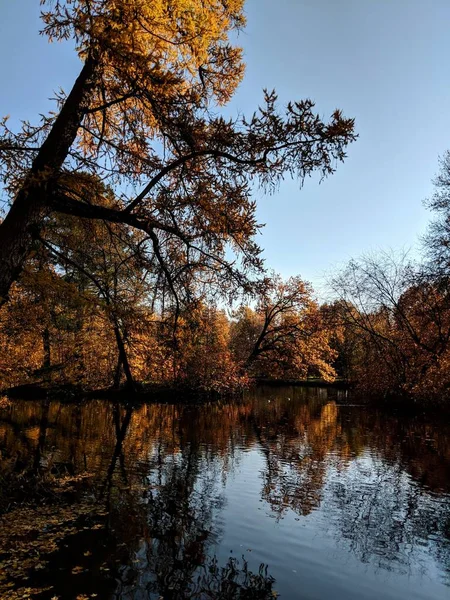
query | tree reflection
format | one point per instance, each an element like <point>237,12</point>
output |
<point>383,517</point>
<point>382,480</point>
<point>151,482</point>
<point>296,448</point>
<point>149,526</point>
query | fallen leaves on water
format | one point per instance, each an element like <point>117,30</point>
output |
<point>77,570</point>
<point>29,535</point>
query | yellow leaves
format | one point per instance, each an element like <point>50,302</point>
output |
<point>25,593</point>
<point>77,570</point>
<point>147,53</point>
<point>177,36</point>
<point>28,536</point>
<point>5,402</point>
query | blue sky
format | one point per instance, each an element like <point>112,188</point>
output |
<point>384,62</point>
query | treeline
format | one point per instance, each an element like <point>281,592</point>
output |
<point>393,313</point>
<point>91,309</point>
<point>130,224</point>
<point>94,309</point>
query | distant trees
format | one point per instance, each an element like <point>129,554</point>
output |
<point>202,356</point>
<point>397,320</point>
<point>94,307</point>
<point>105,262</point>
<point>284,335</point>
<point>342,339</point>
<point>99,325</point>
<point>391,322</point>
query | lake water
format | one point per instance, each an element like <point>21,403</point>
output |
<point>288,491</point>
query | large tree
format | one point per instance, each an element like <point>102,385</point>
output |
<point>143,114</point>
<point>436,243</point>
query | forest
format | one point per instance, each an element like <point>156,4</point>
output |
<point>91,310</point>
<point>102,287</point>
<point>180,420</point>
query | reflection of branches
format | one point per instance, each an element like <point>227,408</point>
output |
<point>296,457</point>
<point>233,582</point>
<point>121,432</point>
<point>161,529</point>
<point>384,519</point>
<point>179,517</point>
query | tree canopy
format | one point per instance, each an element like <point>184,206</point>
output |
<point>144,114</point>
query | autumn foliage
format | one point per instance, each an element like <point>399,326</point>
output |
<point>131,224</point>
<point>58,329</point>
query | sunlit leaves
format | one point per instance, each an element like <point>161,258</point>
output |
<point>283,337</point>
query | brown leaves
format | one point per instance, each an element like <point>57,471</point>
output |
<point>29,535</point>
<point>284,336</point>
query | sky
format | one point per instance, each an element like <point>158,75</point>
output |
<point>383,62</point>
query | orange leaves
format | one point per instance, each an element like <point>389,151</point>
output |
<point>395,321</point>
<point>284,336</point>
<point>202,359</point>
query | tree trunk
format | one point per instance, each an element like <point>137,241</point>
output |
<point>256,350</point>
<point>47,354</point>
<point>32,202</point>
<point>43,426</point>
<point>124,359</point>
<point>118,373</point>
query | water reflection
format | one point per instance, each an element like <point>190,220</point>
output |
<point>144,500</point>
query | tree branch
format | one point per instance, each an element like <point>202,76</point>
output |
<point>183,160</point>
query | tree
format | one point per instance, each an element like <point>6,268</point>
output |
<point>343,339</point>
<point>202,358</point>
<point>284,335</point>
<point>55,329</point>
<point>105,261</point>
<point>436,242</point>
<point>22,324</point>
<point>139,114</point>
<point>402,319</point>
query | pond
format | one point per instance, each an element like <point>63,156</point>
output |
<point>289,491</point>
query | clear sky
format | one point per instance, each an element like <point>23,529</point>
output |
<point>384,62</point>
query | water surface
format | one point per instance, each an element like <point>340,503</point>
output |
<point>336,500</point>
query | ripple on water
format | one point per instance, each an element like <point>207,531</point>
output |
<point>338,501</point>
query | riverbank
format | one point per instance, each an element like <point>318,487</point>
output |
<point>160,392</point>
<point>165,394</point>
